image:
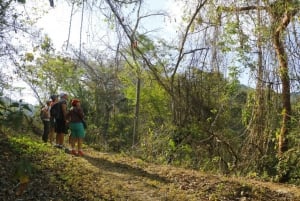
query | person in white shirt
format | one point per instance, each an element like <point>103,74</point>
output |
<point>45,115</point>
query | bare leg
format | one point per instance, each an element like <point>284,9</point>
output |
<point>79,141</point>
<point>73,141</point>
<point>51,135</point>
<point>62,137</point>
<point>57,138</point>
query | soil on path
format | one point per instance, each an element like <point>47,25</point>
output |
<point>59,176</point>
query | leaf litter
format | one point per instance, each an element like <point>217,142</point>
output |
<point>58,176</point>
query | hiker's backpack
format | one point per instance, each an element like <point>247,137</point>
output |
<point>43,114</point>
<point>55,111</point>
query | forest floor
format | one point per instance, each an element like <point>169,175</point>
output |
<point>53,174</point>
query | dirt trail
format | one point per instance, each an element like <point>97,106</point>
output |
<point>59,176</point>
<point>147,181</point>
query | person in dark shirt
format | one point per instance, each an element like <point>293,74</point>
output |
<point>61,127</point>
<point>75,117</point>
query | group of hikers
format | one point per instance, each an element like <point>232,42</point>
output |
<point>58,119</point>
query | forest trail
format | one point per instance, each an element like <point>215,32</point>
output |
<point>59,176</point>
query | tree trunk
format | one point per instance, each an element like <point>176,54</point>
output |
<point>282,23</point>
<point>137,111</point>
<point>286,103</point>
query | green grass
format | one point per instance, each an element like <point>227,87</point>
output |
<point>57,175</point>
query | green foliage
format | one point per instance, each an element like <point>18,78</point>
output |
<point>15,115</point>
<point>108,176</point>
<point>196,120</point>
<point>26,146</point>
<point>23,169</point>
<point>47,72</point>
<point>145,44</point>
<point>289,167</point>
<point>21,1</point>
<point>234,73</point>
<point>227,42</point>
<point>191,144</point>
<point>154,102</point>
<point>156,145</point>
<point>120,132</point>
<point>29,56</point>
<point>231,28</point>
<point>268,163</point>
<point>248,107</point>
<point>163,145</point>
<point>46,45</point>
<point>294,137</point>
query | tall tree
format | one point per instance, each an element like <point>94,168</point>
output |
<point>9,25</point>
<point>46,73</point>
<point>280,14</point>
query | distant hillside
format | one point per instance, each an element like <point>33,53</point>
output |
<point>295,97</point>
<point>17,104</point>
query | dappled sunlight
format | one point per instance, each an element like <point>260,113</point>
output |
<point>121,168</point>
<point>57,175</point>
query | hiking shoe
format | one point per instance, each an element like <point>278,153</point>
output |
<point>74,152</point>
<point>80,153</point>
<point>60,146</point>
<point>68,151</point>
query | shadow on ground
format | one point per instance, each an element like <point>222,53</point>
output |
<point>122,168</point>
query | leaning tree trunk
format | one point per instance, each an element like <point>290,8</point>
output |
<point>286,103</point>
<point>281,25</point>
<point>281,21</point>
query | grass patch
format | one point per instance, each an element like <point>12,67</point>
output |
<point>57,175</point>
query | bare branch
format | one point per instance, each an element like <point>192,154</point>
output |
<point>195,50</point>
<point>181,53</point>
<point>239,9</point>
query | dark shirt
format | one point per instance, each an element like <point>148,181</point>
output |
<point>61,102</point>
<point>75,115</point>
